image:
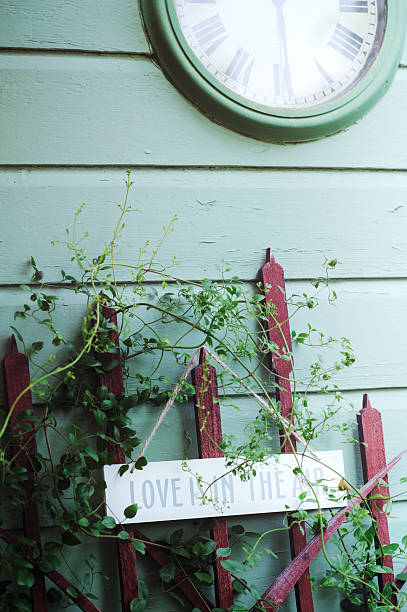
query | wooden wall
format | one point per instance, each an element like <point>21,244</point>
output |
<point>81,101</point>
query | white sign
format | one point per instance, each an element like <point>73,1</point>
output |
<point>198,488</point>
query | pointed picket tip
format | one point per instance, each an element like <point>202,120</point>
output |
<point>202,356</point>
<point>272,268</point>
<point>270,256</point>
<point>367,407</point>
<point>13,344</point>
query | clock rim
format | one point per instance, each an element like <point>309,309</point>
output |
<point>183,69</point>
<point>252,104</point>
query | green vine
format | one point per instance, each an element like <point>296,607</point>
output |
<point>162,320</point>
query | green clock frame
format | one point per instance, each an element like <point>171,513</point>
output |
<point>223,106</point>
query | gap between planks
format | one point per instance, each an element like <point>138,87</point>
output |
<point>205,167</point>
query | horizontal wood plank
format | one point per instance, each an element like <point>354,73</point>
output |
<point>74,25</point>
<point>361,304</point>
<point>64,109</point>
<point>77,24</point>
<point>230,215</point>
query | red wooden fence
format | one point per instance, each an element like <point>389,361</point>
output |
<point>279,333</point>
<point>209,433</point>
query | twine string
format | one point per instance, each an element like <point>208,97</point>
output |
<point>290,429</point>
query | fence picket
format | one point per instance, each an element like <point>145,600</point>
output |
<point>209,433</point>
<point>113,380</point>
<point>279,333</point>
<point>279,590</point>
<point>17,378</point>
<point>373,457</point>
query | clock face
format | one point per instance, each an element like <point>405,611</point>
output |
<point>286,54</point>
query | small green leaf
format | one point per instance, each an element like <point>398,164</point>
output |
<point>138,605</point>
<point>139,546</point>
<point>381,569</point>
<point>208,548</point>
<point>22,562</point>
<point>72,592</point>
<point>238,587</point>
<point>109,522</point>
<point>140,463</point>
<point>203,577</point>
<point>37,346</point>
<point>143,589</point>
<point>123,535</point>
<point>92,453</point>
<point>25,578</point>
<point>17,333</point>
<point>223,552</point>
<point>123,469</point>
<point>131,511</point>
<point>387,549</point>
<point>181,552</point>
<point>233,566</point>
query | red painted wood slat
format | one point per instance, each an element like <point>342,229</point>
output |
<point>373,456</point>
<point>209,433</point>
<point>113,380</point>
<point>279,333</point>
<point>281,587</point>
<point>17,378</point>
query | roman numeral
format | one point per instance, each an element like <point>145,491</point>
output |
<point>240,68</point>
<point>282,81</point>
<point>353,6</point>
<point>277,80</point>
<point>346,42</point>
<point>210,33</point>
<point>323,72</point>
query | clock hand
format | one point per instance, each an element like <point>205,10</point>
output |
<point>283,44</point>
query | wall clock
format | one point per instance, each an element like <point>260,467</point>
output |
<point>279,70</point>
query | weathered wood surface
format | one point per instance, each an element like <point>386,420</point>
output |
<point>373,456</point>
<point>282,364</point>
<point>209,435</point>
<point>75,25</point>
<point>360,305</point>
<point>52,108</point>
<point>126,554</point>
<point>280,588</point>
<point>17,379</point>
<point>213,207</point>
<point>78,24</point>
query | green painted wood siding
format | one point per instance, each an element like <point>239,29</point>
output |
<point>81,100</point>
